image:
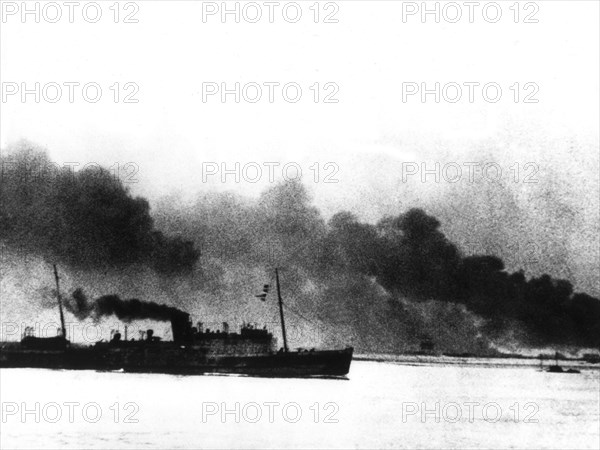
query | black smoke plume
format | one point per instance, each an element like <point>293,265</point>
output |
<point>381,286</point>
<point>84,219</point>
<point>125,310</point>
<point>407,256</point>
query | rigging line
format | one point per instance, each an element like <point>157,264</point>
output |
<point>293,311</point>
<point>297,313</point>
<point>319,325</point>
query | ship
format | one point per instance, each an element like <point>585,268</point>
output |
<point>193,350</point>
<point>555,368</point>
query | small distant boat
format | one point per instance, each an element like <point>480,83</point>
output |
<point>555,368</point>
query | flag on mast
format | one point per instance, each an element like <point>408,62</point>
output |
<point>263,294</point>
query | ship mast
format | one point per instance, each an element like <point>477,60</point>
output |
<point>285,346</point>
<point>62,317</point>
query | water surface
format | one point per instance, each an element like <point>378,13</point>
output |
<point>382,404</point>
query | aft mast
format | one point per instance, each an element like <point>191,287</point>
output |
<point>62,317</point>
<point>285,346</point>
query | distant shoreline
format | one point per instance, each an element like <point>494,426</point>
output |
<point>473,360</point>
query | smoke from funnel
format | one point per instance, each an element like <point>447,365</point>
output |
<point>125,310</point>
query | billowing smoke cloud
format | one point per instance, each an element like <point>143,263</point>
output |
<point>125,310</point>
<point>409,255</point>
<point>81,218</point>
<point>381,287</point>
<point>369,278</point>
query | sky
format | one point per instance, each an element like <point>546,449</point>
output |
<point>536,204</point>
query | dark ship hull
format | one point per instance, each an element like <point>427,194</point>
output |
<point>13,355</point>
<point>290,364</point>
<point>175,359</point>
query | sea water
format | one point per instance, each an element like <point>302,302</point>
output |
<point>380,405</point>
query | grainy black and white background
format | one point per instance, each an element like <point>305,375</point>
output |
<point>424,174</point>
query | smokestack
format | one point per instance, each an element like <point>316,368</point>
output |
<point>181,327</point>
